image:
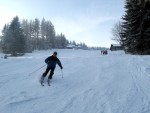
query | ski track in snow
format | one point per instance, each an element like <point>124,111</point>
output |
<point>92,83</point>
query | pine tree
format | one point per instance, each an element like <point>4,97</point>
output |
<point>125,25</point>
<point>36,32</point>
<point>43,28</point>
<point>26,28</point>
<point>130,26</point>
<point>43,44</point>
<point>146,28</point>
<point>50,34</point>
<point>13,38</point>
<point>136,26</point>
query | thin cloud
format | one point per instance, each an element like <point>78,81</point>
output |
<point>71,26</point>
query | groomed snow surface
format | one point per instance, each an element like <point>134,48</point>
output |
<point>92,83</point>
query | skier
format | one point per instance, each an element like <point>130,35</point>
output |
<point>5,56</point>
<point>51,62</point>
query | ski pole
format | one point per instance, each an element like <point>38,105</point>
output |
<point>36,70</point>
<point>62,73</point>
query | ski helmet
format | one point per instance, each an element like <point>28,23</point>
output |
<point>55,53</point>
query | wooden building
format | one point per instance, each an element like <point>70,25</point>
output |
<point>115,47</point>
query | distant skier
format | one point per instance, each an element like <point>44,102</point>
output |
<point>104,52</point>
<point>5,56</point>
<point>51,62</point>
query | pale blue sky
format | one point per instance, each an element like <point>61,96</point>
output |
<point>89,21</point>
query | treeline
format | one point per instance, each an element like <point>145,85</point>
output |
<point>26,36</point>
<point>134,31</point>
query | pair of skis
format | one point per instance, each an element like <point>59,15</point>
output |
<point>42,83</point>
<point>48,81</point>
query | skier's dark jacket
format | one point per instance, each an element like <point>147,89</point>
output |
<point>52,61</point>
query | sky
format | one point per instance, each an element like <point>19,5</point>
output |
<point>88,21</point>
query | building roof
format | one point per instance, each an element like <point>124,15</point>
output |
<point>70,45</point>
<point>116,45</point>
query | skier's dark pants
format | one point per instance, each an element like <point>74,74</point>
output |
<point>51,72</point>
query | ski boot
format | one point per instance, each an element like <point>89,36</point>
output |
<point>48,82</point>
<point>42,81</point>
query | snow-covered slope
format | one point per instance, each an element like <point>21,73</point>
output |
<point>92,83</point>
